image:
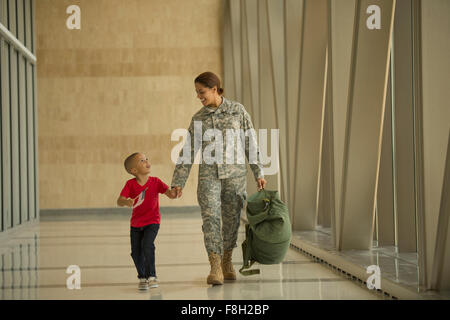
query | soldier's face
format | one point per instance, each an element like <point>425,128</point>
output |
<point>206,95</point>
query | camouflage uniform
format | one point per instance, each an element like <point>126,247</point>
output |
<point>221,191</point>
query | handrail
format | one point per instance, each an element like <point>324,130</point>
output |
<point>9,37</point>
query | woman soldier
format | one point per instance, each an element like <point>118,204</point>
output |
<point>221,191</point>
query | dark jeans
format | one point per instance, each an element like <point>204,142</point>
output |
<point>143,249</point>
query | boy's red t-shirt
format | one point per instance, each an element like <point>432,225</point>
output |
<point>146,207</point>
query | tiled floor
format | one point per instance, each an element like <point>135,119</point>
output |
<point>400,268</point>
<point>34,261</point>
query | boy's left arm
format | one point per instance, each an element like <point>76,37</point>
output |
<point>164,188</point>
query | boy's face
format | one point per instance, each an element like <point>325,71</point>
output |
<point>141,165</point>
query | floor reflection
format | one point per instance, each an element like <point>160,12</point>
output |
<point>401,268</point>
<point>34,263</point>
<point>19,265</point>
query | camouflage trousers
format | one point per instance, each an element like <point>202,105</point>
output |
<point>221,202</point>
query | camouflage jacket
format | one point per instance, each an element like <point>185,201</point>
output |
<point>229,115</point>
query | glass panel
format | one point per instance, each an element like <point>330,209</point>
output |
<point>23,172</point>
<point>30,141</point>
<point>4,12</point>
<point>5,133</point>
<point>392,111</point>
<point>1,130</point>
<point>14,112</point>
<point>12,17</point>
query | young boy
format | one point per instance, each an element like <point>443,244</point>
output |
<point>141,194</point>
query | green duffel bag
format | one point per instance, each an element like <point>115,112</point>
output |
<point>268,231</point>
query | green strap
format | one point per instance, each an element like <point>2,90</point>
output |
<point>246,252</point>
<point>249,272</point>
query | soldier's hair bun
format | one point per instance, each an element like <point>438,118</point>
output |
<point>209,80</point>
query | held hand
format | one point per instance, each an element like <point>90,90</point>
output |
<point>172,193</point>
<point>177,191</point>
<point>261,182</point>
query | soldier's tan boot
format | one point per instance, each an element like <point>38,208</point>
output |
<point>215,276</point>
<point>227,266</point>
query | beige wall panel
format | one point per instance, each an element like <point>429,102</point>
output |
<point>5,134</point>
<point>294,15</point>
<point>251,14</point>
<point>228,64</point>
<point>342,21</point>
<point>28,24</point>
<point>4,12</point>
<point>246,78</point>
<point>121,84</point>
<point>235,20</point>
<point>326,216</point>
<point>30,142</point>
<point>266,88</point>
<point>3,150</point>
<point>23,156</point>
<point>444,280</point>
<point>36,147</point>
<point>367,96</point>
<point>15,146</point>
<point>33,23</point>
<point>325,197</point>
<point>276,15</point>
<point>247,85</point>
<point>436,114</point>
<point>312,90</point>
<point>385,226</point>
<point>441,261</point>
<point>12,21</point>
<point>250,60</point>
<point>404,128</point>
<point>326,189</point>
<point>20,21</point>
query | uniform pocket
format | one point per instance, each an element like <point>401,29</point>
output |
<point>234,121</point>
<point>229,121</point>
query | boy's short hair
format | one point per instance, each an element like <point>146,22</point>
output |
<point>128,163</point>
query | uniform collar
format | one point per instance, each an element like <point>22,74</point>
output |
<point>220,109</point>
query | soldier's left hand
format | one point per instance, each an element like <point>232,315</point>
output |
<point>261,183</point>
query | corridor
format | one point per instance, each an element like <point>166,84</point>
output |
<point>34,261</point>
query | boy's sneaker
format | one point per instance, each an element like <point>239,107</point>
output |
<point>153,282</point>
<point>143,284</point>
